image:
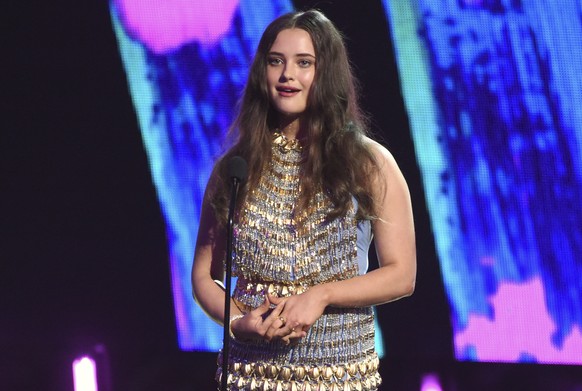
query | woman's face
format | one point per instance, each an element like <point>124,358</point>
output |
<point>290,71</point>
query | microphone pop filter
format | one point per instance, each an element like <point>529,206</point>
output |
<point>237,168</point>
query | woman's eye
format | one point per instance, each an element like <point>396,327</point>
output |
<point>304,63</point>
<point>274,61</point>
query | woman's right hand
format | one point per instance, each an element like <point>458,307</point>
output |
<point>264,322</point>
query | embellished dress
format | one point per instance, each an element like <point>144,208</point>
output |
<point>284,253</point>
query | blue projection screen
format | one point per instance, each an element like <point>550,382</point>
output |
<point>493,93</point>
<point>492,90</point>
<point>186,64</point>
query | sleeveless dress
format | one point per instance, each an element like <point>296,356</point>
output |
<point>285,253</point>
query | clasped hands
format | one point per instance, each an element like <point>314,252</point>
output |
<point>280,318</point>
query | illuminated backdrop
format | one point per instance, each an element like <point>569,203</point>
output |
<point>492,89</point>
<point>493,93</point>
<point>186,64</point>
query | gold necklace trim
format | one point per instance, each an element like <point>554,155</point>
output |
<point>285,144</point>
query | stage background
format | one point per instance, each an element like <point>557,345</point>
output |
<point>84,254</point>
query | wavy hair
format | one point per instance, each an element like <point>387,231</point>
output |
<point>336,158</point>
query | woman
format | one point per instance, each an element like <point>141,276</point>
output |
<point>318,189</point>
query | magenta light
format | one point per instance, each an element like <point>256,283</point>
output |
<point>521,323</point>
<point>85,374</point>
<point>164,26</point>
<point>430,382</point>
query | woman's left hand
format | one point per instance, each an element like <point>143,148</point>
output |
<point>300,312</point>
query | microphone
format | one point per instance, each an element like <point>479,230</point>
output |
<point>237,173</point>
<point>237,168</point>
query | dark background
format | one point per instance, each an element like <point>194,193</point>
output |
<point>83,258</point>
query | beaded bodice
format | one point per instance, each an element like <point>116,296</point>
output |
<point>282,246</point>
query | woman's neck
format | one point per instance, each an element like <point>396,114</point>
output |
<point>291,129</point>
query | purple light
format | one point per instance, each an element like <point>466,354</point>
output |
<point>430,382</point>
<point>518,306</point>
<point>164,26</point>
<point>85,374</point>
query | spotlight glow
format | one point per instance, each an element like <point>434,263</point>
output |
<point>430,382</point>
<point>85,374</point>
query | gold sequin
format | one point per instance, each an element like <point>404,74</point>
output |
<point>293,377</point>
<point>286,144</point>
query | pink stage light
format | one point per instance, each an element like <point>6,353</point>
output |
<point>430,382</point>
<point>85,374</point>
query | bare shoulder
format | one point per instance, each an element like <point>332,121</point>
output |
<point>394,226</point>
<point>387,165</point>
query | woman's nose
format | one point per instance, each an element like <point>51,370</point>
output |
<point>288,73</point>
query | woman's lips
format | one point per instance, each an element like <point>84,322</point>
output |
<point>287,91</point>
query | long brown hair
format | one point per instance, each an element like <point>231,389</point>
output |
<point>336,158</point>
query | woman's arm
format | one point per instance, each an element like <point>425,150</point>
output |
<point>395,246</point>
<point>208,262</point>
<point>394,239</point>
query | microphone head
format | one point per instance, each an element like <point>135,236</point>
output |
<point>237,168</point>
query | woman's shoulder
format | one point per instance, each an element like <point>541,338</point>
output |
<point>387,169</point>
<point>383,156</point>
<point>216,177</point>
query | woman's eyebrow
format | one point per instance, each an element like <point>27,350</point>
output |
<point>296,55</point>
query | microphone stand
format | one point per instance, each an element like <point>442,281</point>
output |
<point>226,327</point>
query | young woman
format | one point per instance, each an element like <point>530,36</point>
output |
<point>318,191</point>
